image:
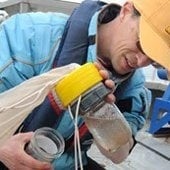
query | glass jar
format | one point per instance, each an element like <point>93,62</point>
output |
<point>46,144</point>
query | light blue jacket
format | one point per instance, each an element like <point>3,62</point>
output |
<point>28,44</point>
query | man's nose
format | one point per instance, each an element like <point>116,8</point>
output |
<point>143,60</point>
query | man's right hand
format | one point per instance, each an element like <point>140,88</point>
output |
<point>13,155</point>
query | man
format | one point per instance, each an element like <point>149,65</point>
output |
<point>122,47</point>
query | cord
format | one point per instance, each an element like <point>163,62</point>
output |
<point>77,147</point>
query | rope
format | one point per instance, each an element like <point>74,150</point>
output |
<point>77,147</point>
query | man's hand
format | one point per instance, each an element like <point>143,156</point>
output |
<point>13,155</point>
<point>108,82</point>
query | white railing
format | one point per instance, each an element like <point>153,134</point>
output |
<point>152,80</point>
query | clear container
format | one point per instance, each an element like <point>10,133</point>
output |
<point>46,145</point>
<point>108,126</point>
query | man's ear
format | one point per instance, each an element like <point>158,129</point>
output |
<point>126,9</point>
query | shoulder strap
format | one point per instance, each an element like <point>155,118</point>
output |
<point>74,45</point>
<point>75,40</point>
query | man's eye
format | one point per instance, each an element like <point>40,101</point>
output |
<point>139,47</point>
<point>156,65</point>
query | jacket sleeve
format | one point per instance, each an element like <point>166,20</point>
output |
<point>134,99</point>
<point>27,42</point>
<point>14,49</point>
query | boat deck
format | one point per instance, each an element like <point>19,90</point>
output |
<point>150,153</point>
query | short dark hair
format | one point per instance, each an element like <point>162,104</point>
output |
<point>111,12</point>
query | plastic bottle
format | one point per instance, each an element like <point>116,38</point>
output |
<point>108,126</point>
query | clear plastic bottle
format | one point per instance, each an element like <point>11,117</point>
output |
<point>46,144</point>
<point>108,126</point>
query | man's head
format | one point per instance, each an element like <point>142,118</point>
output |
<point>122,41</point>
<point>118,39</point>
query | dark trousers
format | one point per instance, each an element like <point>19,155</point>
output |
<point>92,165</point>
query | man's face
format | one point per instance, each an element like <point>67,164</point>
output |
<point>120,43</point>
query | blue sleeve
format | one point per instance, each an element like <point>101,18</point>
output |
<point>27,46</point>
<point>14,47</point>
<point>134,100</point>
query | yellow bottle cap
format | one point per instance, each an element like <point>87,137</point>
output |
<point>77,82</point>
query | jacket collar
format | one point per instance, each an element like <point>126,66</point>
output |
<point>92,31</point>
